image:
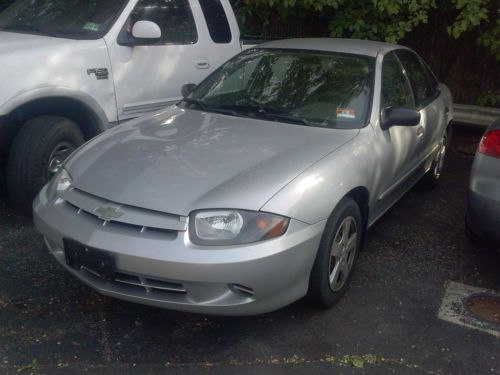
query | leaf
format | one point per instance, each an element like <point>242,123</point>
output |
<point>358,362</point>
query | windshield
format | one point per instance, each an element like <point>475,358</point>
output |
<point>76,19</point>
<point>311,88</point>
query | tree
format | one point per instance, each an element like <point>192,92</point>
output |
<point>387,20</point>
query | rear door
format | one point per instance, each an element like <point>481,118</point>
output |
<point>428,100</point>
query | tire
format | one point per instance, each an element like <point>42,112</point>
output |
<point>322,292</point>
<point>431,179</point>
<point>41,141</point>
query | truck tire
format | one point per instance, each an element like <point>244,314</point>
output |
<point>38,151</point>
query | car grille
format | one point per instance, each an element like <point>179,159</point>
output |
<point>140,285</point>
<point>131,218</point>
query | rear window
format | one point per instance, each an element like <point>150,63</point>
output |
<point>218,25</point>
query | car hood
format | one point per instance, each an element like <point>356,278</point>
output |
<point>182,160</point>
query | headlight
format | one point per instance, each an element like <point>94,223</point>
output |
<point>234,227</point>
<point>58,184</point>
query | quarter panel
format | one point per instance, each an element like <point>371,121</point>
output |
<point>485,177</point>
<point>312,196</point>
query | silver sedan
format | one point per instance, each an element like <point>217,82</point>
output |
<point>258,187</point>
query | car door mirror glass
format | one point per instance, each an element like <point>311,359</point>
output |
<point>399,116</point>
<point>187,89</point>
<point>146,32</point>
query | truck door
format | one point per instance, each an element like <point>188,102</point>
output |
<point>149,77</point>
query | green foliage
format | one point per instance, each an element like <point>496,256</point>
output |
<point>489,99</point>
<point>387,20</point>
<point>471,14</point>
<point>491,40</point>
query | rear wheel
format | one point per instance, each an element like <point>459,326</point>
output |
<point>38,152</point>
<point>432,177</point>
<point>337,255</point>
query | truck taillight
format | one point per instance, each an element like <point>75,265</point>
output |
<point>490,144</point>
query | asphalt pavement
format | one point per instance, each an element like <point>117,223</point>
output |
<point>387,322</point>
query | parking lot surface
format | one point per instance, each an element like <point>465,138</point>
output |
<point>387,322</point>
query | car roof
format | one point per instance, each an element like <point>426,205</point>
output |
<point>353,46</point>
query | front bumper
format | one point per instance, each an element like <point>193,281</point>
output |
<point>242,280</point>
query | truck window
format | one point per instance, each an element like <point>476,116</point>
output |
<point>218,25</point>
<point>174,17</point>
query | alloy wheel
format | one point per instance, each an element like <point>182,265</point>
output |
<point>343,253</point>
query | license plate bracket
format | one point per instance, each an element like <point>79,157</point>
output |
<point>96,261</point>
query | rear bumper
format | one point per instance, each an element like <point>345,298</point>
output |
<point>4,138</point>
<point>483,216</point>
<point>483,209</point>
<point>273,273</point>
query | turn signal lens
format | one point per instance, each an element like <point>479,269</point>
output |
<point>490,144</point>
<point>234,227</point>
<point>59,183</point>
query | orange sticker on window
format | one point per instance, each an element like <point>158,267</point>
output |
<point>346,113</point>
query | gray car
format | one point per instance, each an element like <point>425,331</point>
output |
<point>256,189</point>
<point>483,211</point>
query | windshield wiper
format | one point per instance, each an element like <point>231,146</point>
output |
<point>268,113</point>
<point>28,27</point>
<point>196,102</point>
<point>289,118</point>
<point>203,106</point>
<point>241,110</point>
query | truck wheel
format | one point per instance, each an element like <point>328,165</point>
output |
<point>37,153</point>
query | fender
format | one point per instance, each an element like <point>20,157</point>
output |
<point>64,92</point>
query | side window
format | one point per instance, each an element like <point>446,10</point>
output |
<point>417,74</point>
<point>432,78</point>
<point>173,16</point>
<point>218,25</point>
<point>396,91</point>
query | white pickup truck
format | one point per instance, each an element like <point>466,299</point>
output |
<point>70,69</point>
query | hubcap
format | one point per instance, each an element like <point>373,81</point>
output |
<point>439,162</point>
<point>58,156</point>
<point>343,253</point>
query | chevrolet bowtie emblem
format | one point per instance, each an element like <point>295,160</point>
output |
<point>108,213</point>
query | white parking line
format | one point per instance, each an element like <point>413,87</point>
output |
<point>454,310</point>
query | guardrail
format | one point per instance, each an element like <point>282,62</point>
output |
<point>473,115</point>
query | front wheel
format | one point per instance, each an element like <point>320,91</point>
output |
<point>38,151</point>
<point>337,255</point>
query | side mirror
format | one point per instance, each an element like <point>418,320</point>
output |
<point>145,33</point>
<point>399,116</point>
<point>187,89</point>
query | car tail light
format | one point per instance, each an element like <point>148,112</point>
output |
<point>490,144</point>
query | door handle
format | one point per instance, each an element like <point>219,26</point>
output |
<point>420,131</point>
<point>202,63</point>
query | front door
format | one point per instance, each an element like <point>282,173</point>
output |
<point>400,143</point>
<point>148,78</point>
